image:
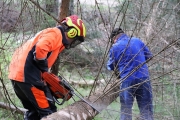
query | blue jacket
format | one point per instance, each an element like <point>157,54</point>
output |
<point>126,55</point>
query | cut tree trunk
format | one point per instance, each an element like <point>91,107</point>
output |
<point>82,111</point>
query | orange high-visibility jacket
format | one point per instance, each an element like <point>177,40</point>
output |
<point>36,56</point>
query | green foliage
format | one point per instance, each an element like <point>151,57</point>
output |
<point>6,43</point>
<point>166,99</point>
<point>9,115</point>
<point>112,112</point>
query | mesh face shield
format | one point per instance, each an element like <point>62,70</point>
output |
<point>76,41</point>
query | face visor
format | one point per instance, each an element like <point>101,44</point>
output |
<point>76,41</point>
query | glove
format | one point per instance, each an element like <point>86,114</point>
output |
<point>42,65</point>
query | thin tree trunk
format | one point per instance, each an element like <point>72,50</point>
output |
<point>64,9</point>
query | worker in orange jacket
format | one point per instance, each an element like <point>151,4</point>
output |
<point>35,57</point>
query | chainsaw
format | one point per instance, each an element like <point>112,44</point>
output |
<point>60,88</point>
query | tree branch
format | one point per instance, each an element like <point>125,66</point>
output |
<point>11,107</point>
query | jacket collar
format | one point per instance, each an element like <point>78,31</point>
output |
<point>122,37</point>
<point>64,40</point>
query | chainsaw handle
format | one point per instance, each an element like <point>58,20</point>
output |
<point>57,101</point>
<point>64,99</point>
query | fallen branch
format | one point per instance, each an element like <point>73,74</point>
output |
<point>86,83</point>
<point>11,107</point>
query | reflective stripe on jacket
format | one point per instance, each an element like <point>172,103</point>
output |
<point>45,46</point>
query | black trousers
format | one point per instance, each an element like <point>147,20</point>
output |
<point>38,101</point>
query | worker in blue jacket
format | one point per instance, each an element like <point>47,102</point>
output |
<point>128,56</point>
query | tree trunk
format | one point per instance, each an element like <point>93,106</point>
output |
<point>82,111</point>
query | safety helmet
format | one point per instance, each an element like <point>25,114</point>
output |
<point>75,26</point>
<point>75,29</point>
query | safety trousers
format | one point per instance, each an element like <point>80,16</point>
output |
<point>38,102</point>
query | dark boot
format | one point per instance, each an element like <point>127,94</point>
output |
<point>31,115</point>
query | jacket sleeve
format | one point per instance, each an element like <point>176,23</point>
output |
<point>111,61</point>
<point>42,64</point>
<point>46,44</point>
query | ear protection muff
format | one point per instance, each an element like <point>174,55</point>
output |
<point>72,33</point>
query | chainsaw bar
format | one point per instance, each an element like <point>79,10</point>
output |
<point>86,102</point>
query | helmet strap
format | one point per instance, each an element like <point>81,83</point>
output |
<point>65,27</point>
